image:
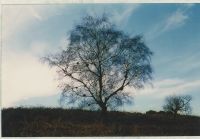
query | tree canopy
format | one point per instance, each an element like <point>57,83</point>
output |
<point>178,104</point>
<point>99,62</point>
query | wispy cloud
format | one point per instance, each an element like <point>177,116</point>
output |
<point>118,15</point>
<point>176,19</point>
<point>17,17</point>
<point>187,64</point>
<point>121,16</point>
<point>41,101</point>
<point>167,87</point>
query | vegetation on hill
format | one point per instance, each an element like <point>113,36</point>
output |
<point>24,122</point>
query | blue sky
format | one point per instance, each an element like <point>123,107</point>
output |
<point>172,32</point>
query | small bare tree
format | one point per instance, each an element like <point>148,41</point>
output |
<point>178,104</point>
<point>100,62</point>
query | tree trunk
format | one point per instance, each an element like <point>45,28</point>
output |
<point>104,110</point>
<point>104,114</point>
<point>175,114</point>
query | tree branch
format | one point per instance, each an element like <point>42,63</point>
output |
<point>80,81</point>
<point>120,88</point>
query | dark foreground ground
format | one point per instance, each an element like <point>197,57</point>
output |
<point>59,122</point>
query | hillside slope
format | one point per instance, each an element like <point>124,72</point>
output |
<point>23,122</point>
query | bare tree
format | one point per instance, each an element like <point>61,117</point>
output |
<point>100,62</point>
<point>178,104</point>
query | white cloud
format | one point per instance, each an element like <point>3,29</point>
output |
<point>24,76</point>
<point>39,48</point>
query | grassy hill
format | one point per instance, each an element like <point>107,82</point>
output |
<point>60,122</point>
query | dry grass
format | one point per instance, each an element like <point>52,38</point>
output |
<point>24,122</point>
